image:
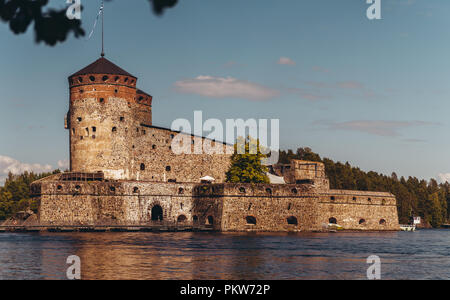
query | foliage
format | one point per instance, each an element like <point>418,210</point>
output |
<point>52,26</point>
<point>15,194</point>
<point>247,167</point>
<point>429,200</point>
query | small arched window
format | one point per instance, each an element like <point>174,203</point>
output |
<point>168,168</point>
<point>91,78</point>
<point>250,220</point>
<point>292,220</point>
<point>294,191</point>
<point>210,220</point>
<point>242,190</point>
<point>180,191</point>
<point>142,167</point>
<point>105,78</point>
<point>114,129</point>
<point>382,222</point>
<point>181,219</point>
<point>269,191</point>
<point>332,220</point>
<point>135,190</point>
<point>362,221</point>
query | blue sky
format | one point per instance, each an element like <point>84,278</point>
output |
<point>374,93</point>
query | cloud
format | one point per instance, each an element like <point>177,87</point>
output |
<point>380,128</point>
<point>221,87</point>
<point>286,61</point>
<point>8,164</point>
<point>351,85</point>
<point>444,177</point>
<point>64,164</point>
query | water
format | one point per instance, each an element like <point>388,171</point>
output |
<point>404,255</point>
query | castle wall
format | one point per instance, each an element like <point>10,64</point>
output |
<point>223,207</point>
<point>356,210</point>
<point>153,151</point>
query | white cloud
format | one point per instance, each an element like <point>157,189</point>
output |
<point>8,164</point>
<point>63,164</point>
<point>229,87</point>
<point>381,128</point>
<point>286,61</point>
<point>444,177</point>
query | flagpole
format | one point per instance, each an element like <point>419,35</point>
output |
<point>103,42</point>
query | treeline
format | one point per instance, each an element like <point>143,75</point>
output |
<point>426,199</point>
<point>15,194</point>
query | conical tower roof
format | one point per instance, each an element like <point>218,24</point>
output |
<point>102,66</point>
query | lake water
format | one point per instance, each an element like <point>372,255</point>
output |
<point>404,255</point>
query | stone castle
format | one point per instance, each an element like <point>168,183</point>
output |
<point>124,172</point>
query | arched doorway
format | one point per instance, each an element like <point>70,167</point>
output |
<point>157,213</point>
<point>181,219</point>
<point>332,221</point>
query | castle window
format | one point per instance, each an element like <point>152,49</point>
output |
<point>142,167</point>
<point>79,119</point>
<point>126,79</point>
<point>59,187</point>
<point>102,100</point>
<point>73,130</point>
<point>250,220</point>
<point>81,137</point>
<point>168,168</point>
<point>112,189</point>
<point>94,129</point>
<point>292,220</point>
<point>172,180</point>
<point>77,187</point>
<point>154,147</point>
<point>382,222</point>
<point>332,220</point>
<point>105,78</point>
<point>172,136</point>
<point>91,78</point>
<point>114,129</point>
<point>269,191</point>
<point>181,205</point>
<point>80,79</point>
<point>132,81</point>
<point>81,91</point>
<point>354,198</point>
<point>140,98</point>
<point>143,132</point>
<point>294,191</point>
<point>210,220</point>
<point>289,206</point>
<point>137,129</point>
<point>180,191</point>
<point>362,221</point>
<point>116,78</point>
<point>195,218</point>
<point>332,198</point>
<point>181,219</point>
<point>369,199</point>
<point>116,90</point>
<point>242,190</point>
<point>87,130</point>
<point>135,190</point>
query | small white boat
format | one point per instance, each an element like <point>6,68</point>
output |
<point>408,227</point>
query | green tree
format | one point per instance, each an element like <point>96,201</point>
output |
<point>246,166</point>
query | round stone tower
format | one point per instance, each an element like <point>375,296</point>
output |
<point>101,119</point>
